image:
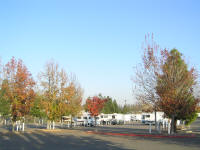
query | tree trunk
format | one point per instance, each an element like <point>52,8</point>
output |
<point>71,121</point>
<point>13,125</point>
<point>172,124</point>
<point>155,119</point>
<point>95,120</point>
<point>53,125</point>
<point>48,124</point>
<point>23,124</point>
<point>175,122</point>
<point>61,121</point>
<point>5,122</point>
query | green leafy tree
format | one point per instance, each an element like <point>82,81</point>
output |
<point>5,103</point>
<point>115,106</point>
<point>175,88</point>
<point>37,109</point>
<point>110,106</point>
<point>125,109</point>
<point>62,94</point>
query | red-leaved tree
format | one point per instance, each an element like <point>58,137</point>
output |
<point>95,105</point>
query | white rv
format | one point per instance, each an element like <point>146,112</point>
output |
<point>85,119</point>
<point>198,115</point>
<point>150,117</point>
<point>136,117</point>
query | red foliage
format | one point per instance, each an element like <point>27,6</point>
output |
<point>95,105</point>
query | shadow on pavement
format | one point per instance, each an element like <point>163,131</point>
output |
<point>48,141</point>
<point>184,142</point>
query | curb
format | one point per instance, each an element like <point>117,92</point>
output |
<point>142,135</point>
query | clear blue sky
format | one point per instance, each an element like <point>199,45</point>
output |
<point>100,41</point>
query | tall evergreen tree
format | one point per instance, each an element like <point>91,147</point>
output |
<point>110,106</point>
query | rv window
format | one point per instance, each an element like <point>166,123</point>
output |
<point>101,116</point>
<point>89,117</point>
<point>85,117</point>
<point>148,116</point>
<point>79,117</point>
<point>113,117</point>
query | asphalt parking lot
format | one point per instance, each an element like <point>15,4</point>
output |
<point>80,139</point>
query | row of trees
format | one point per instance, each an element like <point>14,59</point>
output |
<point>111,106</point>
<point>164,81</point>
<point>57,93</point>
<point>99,104</point>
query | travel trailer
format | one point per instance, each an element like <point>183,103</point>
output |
<point>85,119</point>
<point>148,118</point>
<point>198,115</point>
<point>114,118</point>
<point>136,117</point>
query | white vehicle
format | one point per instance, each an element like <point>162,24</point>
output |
<point>105,118</point>
<point>136,117</point>
<point>85,119</point>
<point>115,118</point>
<point>198,115</point>
<point>148,118</point>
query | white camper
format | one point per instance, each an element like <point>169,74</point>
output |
<point>150,117</point>
<point>85,119</point>
<point>136,117</point>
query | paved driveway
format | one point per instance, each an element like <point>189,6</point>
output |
<point>195,126</point>
<point>66,139</point>
<point>79,139</point>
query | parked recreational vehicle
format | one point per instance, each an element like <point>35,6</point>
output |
<point>111,118</point>
<point>85,119</point>
<point>106,118</point>
<point>198,115</point>
<point>150,117</point>
<point>136,117</point>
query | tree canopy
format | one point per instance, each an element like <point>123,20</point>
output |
<point>175,87</point>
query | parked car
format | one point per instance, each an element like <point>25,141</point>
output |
<point>114,122</point>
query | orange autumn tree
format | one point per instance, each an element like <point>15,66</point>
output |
<point>95,105</point>
<point>20,88</point>
<point>49,82</point>
<point>175,87</point>
<point>70,97</point>
<point>62,95</point>
<point>74,98</point>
